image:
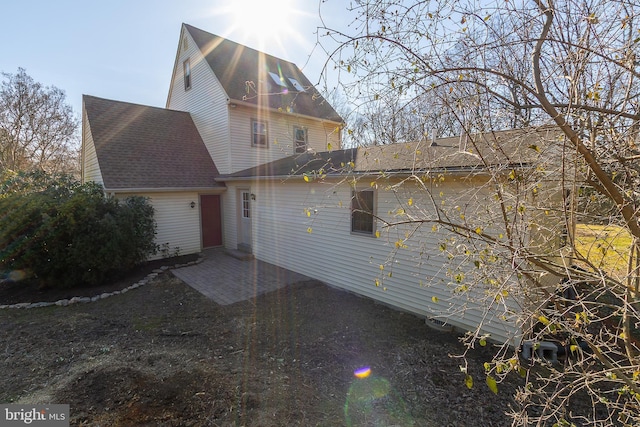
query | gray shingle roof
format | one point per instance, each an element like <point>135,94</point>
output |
<point>142,147</point>
<point>244,72</point>
<point>512,148</point>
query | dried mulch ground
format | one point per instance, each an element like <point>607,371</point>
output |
<point>164,355</point>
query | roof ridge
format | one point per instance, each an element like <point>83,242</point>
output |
<point>239,44</point>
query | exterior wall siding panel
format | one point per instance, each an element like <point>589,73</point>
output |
<point>91,167</point>
<point>178,225</point>
<point>205,100</point>
<point>306,228</point>
<point>280,136</point>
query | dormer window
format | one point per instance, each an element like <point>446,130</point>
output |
<point>299,140</point>
<point>296,84</point>
<point>186,65</point>
<point>277,79</point>
<point>259,137</point>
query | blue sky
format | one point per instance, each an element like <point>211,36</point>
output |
<point>125,49</point>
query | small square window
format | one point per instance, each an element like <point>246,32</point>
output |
<point>362,212</point>
<point>186,65</point>
<point>296,84</point>
<point>277,79</point>
<point>259,136</point>
<point>300,140</point>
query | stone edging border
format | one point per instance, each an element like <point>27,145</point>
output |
<point>75,300</point>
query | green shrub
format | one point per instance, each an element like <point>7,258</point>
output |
<point>68,233</point>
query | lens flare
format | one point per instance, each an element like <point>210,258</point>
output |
<point>363,372</point>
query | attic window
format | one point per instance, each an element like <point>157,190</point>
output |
<point>276,78</point>
<point>296,84</point>
<point>187,74</point>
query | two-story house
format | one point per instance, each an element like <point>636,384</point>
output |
<point>247,155</point>
<point>229,108</point>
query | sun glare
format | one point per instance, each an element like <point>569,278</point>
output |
<point>263,22</point>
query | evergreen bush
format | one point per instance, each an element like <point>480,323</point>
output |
<point>67,233</point>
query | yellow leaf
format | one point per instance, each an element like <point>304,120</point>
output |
<point>377,234</point>
<point>512,174</point>
<point>434,299</point>
<point>353,165</point>
<point>483,342</point>
<point>479,230</point>
<point>434,227</point>
<point>309,230</point>
<point>493,386</point>
<point>308,213</point>
<point>543,320</point>
<point>329,146</point>
<point>468,381</point>
<point>410,202</point>
<point>573,348</point>
<point>381,267</point>
<point>487,366</point>
<point>306,178</point>
<point>377,282</point>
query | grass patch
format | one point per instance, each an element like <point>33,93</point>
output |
<point>605,246</point>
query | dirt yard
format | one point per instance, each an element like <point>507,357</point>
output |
<point>163,355</point>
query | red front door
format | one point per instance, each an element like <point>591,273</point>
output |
<point>211,222</point>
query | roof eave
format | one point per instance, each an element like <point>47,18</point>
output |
<point>231,101</point>
<point>216,189</point>
<point>402,172</point>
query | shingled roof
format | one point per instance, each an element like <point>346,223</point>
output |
<point>141,147</point>
<point>244,75</point>
<point>471,153</point>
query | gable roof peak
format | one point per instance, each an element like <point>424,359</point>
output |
<point>254,77</point>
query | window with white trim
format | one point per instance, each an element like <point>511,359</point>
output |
<point>186,66</point>
<point>299,139</point>
<point>246,204</point>
<point>259,134</point>
<point>362,211</point>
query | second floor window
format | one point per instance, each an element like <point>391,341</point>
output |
<point>187,74</point>
<point>299,140</point>
<point>259,137</point>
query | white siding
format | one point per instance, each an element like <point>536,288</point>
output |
<point>90,167</point>
<point>321,246</point>
<point>280,134</point>
<point>206,101</point>
<point>178,225</point>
